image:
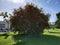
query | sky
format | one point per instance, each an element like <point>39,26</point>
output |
<point>49,6</point>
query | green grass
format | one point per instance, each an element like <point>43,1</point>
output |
<point>55,32</point>
<point>51,37</point>
<point>8,41</point>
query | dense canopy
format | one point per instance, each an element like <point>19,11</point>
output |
<point>29,19</point>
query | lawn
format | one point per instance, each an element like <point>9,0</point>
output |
<point>49,37</point>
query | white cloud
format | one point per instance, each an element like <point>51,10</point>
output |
<point>17,1</point>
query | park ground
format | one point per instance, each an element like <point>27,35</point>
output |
<point>49,37</point>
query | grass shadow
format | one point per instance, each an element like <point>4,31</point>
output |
<point>55,32</point>
<point>5,34</point>
<point>41,40</point>
<point>19,39</point>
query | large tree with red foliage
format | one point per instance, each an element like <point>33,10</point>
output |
<point>29,20</point>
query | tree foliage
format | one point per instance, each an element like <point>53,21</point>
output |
<point>4,14</point>
<point>29,20</point>
<point>57,23</point>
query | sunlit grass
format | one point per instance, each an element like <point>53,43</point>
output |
<point>55,32</point>
<point>8,41</point>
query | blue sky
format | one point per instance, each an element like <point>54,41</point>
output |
<point>49,6</point>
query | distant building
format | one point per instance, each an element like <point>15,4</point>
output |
<point>4,25</point>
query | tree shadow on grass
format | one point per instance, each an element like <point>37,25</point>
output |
<point>19,39</point>
<point>5,34</point>
<point>55,32</point>
<point>41,40</point>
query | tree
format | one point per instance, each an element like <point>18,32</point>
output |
<point>4,15</point>
<point>58,16</point>
<point>57,23</point>
<point>29,20</point>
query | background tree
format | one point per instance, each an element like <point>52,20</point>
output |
<point>29,20</point>
<point>4,15</point>
<point>57,23</point>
